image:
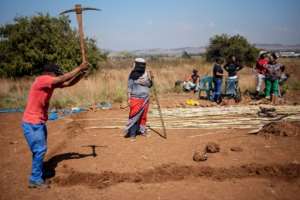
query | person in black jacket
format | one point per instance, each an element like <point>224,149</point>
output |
<point>232,67</point>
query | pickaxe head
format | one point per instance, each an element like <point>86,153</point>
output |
<point>93,149</point>
<point>78,9</point>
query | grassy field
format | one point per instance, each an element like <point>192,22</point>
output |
<point>110,82</point>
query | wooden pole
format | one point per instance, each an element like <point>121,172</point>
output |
<point>81,34</point>
<point>158,107</point>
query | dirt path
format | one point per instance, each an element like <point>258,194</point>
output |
<point>152,167</point>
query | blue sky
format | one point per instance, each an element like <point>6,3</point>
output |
<point>141,24</point>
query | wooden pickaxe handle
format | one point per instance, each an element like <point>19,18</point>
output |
<point>78,10</point>
<point>81,37</point>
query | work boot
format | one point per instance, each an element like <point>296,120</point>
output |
<point>38,185</point>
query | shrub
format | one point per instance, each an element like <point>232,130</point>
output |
<point>226,46</point>
<point>31,42</point>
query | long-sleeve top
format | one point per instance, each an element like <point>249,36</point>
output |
<point>232,69</point>
<point>140,88</point>
<point>273,71</point>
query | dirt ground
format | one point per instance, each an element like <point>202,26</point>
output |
<point>150,167</point>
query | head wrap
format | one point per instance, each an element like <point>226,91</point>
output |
<point>139,69</point>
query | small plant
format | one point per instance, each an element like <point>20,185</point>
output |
<point>119,95</point>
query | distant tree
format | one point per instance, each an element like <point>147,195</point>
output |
<point>225,46</point>
<point>30,42</point>
<point>186,55</point>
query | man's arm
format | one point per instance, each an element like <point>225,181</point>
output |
<point>226,67</point>
<point>219,74</point>
<point>70,75</point>
<point>218,70</point>
<point>73,81</point>
<point>240,67</point>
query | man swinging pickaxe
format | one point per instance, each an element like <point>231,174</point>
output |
<point>78,10</point>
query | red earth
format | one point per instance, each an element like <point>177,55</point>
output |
<point>150,167</point>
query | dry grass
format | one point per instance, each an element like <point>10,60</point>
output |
<point>110,83</point>
<point>13,93</point>
<point>293,69</point>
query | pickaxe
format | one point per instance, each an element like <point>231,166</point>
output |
<point>78,10</point>
<point>94,154</point>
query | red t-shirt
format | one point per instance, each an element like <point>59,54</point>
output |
<point>261,66</point>
<point>41,90</point>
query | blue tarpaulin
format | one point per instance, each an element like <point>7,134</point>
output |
<point>11,110</point>
<point>59,113</point>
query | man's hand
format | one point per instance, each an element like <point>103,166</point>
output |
<point>84,66</point>
<point>71,75</point>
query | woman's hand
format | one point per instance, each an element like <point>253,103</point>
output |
<point>150,75</point>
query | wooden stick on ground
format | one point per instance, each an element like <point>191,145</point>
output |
<point>158,106</point>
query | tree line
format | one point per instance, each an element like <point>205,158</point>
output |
<point>30,42</point>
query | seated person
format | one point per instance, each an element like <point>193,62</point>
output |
<point>191,83</point>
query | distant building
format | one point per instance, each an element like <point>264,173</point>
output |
<point>289,54</point>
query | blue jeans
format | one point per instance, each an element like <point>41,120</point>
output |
<point>36,137</point>
<point>217,88</point>
<point>231,87</point>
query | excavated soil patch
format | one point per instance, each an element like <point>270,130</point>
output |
<point>282,128</point>
<point>174,172</point>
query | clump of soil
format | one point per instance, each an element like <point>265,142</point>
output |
<point>283,128</point>
<point>236,149</point>
<point>267,112</point>
<point>212,147</point>
<point>200,156</point>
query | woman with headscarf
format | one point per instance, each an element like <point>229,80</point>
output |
<point>139,84</point>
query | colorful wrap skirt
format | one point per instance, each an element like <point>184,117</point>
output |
<point>137,117</point>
